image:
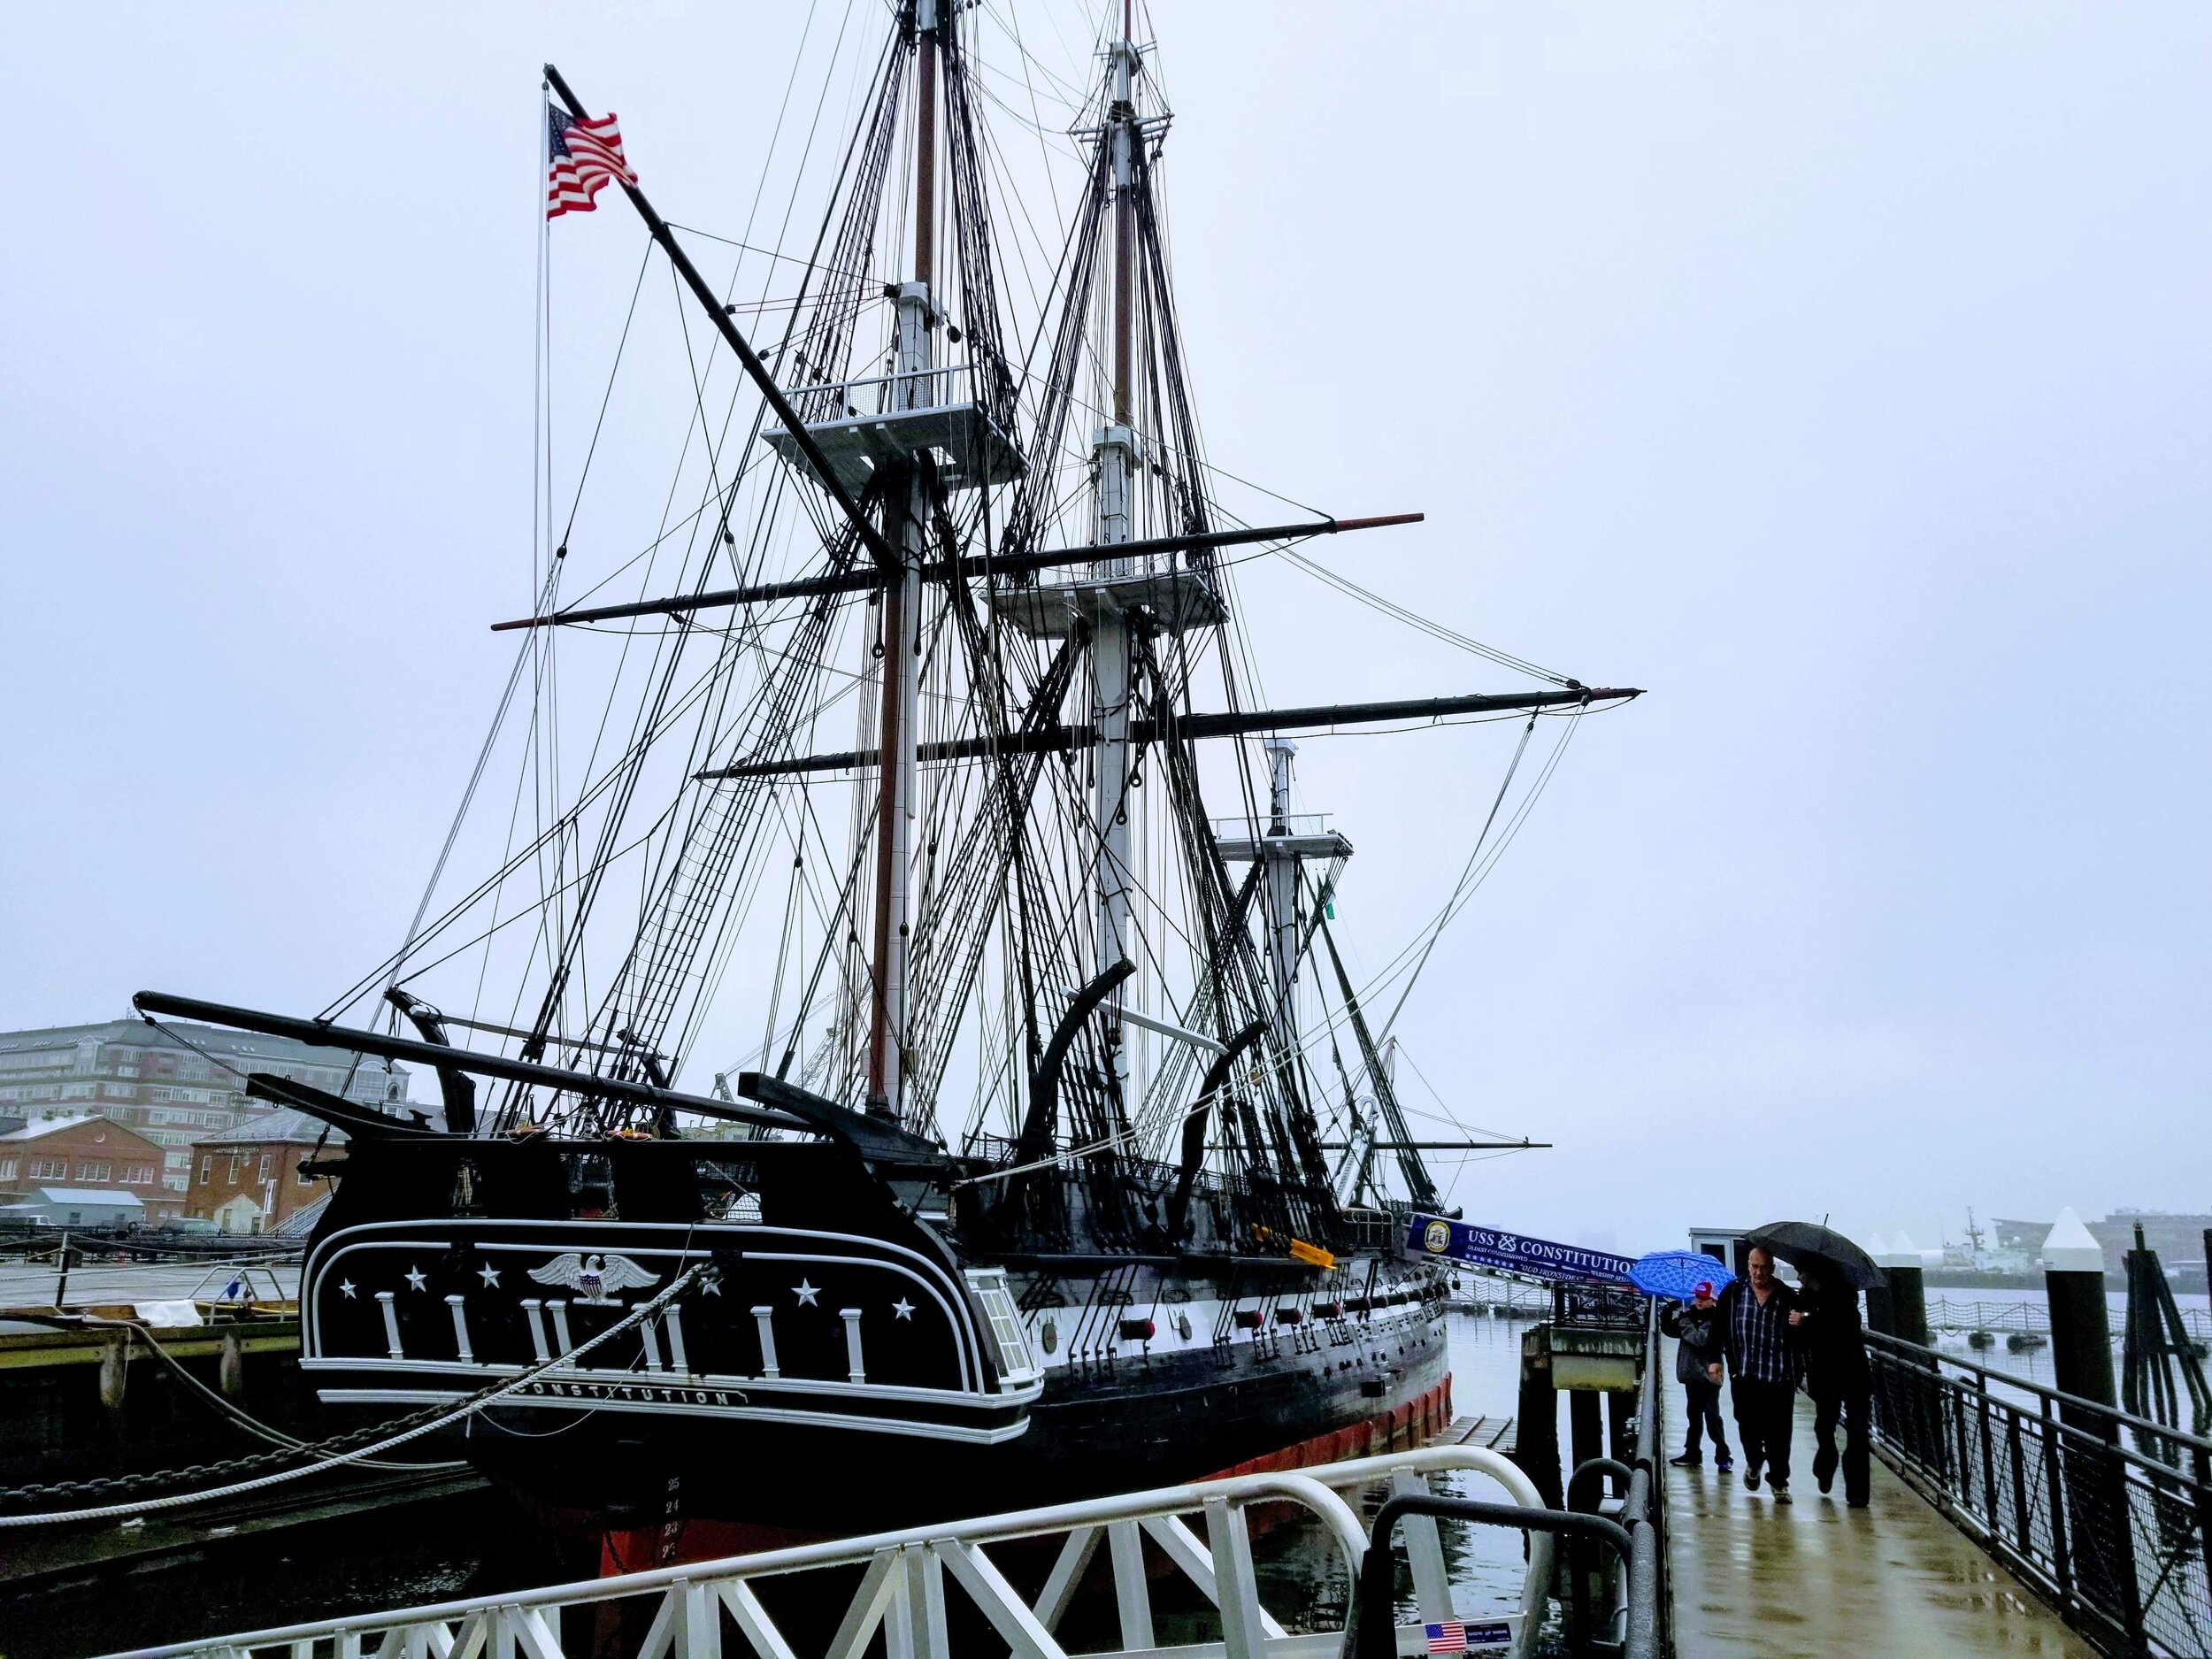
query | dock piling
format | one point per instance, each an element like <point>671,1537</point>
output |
<point>1908,1292</point>
<point>1586,1426</point>
<point>114,1370</point>
<point>2102,1535</point>
<point>1536,1443</point>
<point>2081,1331</point>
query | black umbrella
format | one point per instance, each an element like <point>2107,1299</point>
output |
<point>1804,1244</point>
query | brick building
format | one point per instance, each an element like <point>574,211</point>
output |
<point>84,1154</point>
<point>247,1180</point>
<point>174,1084</point>
<point>2178,1239</point>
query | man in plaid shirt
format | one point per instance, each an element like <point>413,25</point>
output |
<point>1764,1363</point>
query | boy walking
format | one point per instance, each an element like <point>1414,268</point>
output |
<point>1697,1367</point>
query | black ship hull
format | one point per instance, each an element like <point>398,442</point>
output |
<point>1180,1418</point>
<point>817,1340</point>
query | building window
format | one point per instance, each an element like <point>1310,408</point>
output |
<point>268,1164</point>
<point>137,1174</point>
<point>98,1171</point>
<point>7,1169</point>
<point>207,1169</point>
<point>305,1178</point>
<point>50,1169</point>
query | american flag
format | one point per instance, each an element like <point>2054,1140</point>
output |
<point>585,155</point>
<point>1449,1637</point>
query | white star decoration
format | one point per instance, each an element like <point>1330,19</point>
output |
<point>806,1293</point>
<point>348,1287</point>
<point>415,1277</point>
<point>711,1287</point>
<point>902,1308</point>
<point>489,1275</point>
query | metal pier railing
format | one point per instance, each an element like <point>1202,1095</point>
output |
<point>921,1593</point>
<point>913,1583</point>
<point>2109,1516</point>
<point>2032,1319</point>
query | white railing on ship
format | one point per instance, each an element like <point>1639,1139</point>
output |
<point>1251,829</point>
<point>885,393</point>
<point>902,1590</point>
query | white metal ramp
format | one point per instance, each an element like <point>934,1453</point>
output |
<point>698,1608</point>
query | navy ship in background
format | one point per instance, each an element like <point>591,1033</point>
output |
<point>1072,1160</point>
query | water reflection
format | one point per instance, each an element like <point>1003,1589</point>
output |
<point>1297,1563</point>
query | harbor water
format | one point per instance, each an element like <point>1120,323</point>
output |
<point>1955,1316</point>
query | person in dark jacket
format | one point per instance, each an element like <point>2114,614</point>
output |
<point>1836,1375</point>
<point>1764,1361</point>
<point>1697,1367</point>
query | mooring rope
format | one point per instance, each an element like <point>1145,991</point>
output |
<point>137,1330</point>
<point>439,1418</point>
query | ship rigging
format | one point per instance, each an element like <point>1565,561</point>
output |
<point>1038,1030</point>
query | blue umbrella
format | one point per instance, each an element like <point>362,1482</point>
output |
<point>1677,1273</point>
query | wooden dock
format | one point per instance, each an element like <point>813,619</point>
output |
<point>1494,1435</point>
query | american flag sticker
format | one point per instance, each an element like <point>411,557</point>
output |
<point>1454,1636</point>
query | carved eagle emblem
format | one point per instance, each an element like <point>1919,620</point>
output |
<point>596,1277</point>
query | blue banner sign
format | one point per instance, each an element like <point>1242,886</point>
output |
<point>1432,1236</point>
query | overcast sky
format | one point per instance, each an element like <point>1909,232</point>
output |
<point>1843,375</point>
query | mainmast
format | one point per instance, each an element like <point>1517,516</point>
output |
<point>906,510</point>
<point>1116,453</point>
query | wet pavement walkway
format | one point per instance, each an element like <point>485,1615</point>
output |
<point>1816,1580</point>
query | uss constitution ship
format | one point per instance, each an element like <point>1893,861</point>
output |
<point>1071,1160</point>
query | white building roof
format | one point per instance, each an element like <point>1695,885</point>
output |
<point>47,1125</point>
<point>89,1195</point>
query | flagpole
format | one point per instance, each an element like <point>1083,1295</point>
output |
<point>871,537</point>
<point>541,478</point>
